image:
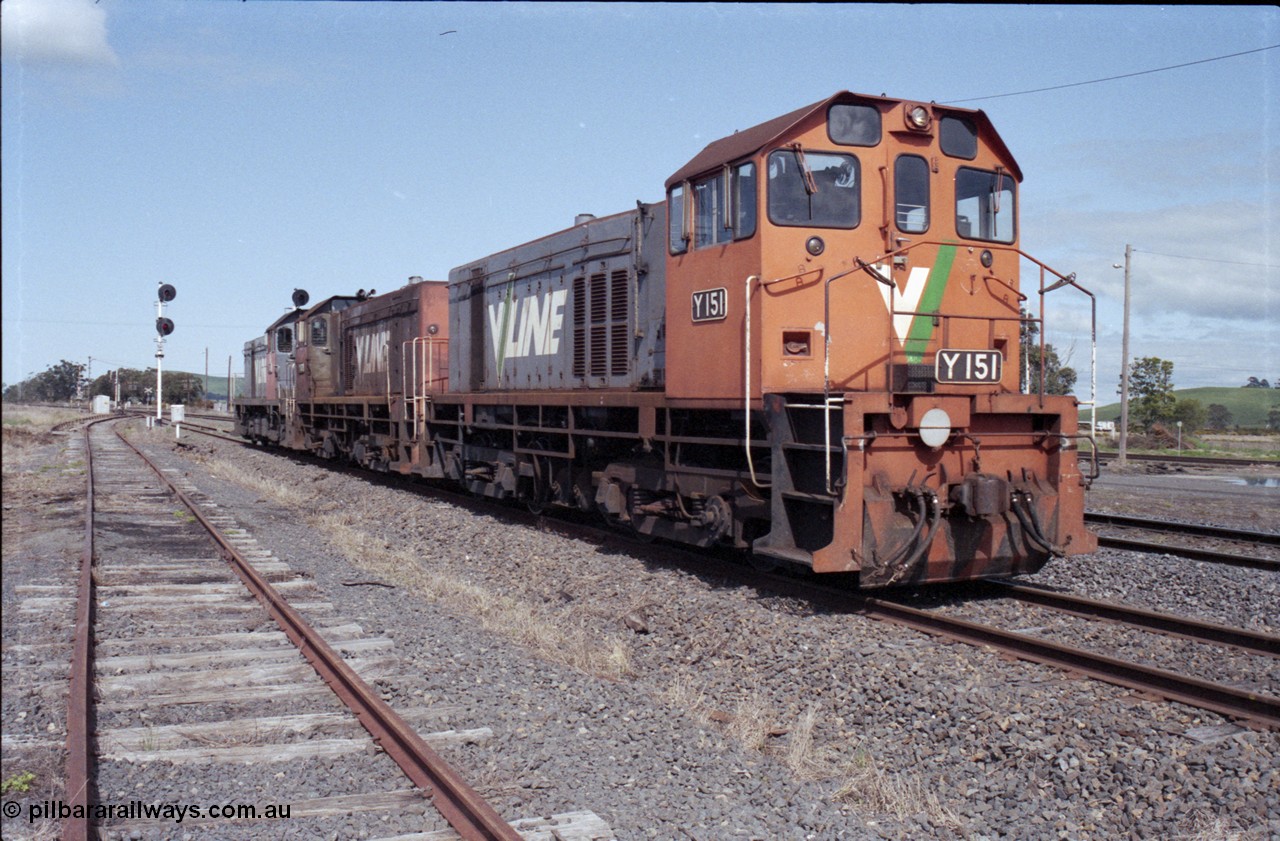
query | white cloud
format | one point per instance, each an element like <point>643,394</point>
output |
<point>55,32</point>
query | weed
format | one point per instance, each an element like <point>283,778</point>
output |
<point>900,794</point>
<point>1206,826</point>
<point>750,723</point>
<point>20,783</point>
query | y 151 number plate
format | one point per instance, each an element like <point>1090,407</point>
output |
<point>968,366</point>
<point>710,304</point>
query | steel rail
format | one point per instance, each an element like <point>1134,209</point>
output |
<point>1205,461</point>
<point>1192,629</point>
<point>473,818</point>
<point>1190,552</point>
<point>1255,708</point>
<point>80,689</point>
<point>1126,521</point>
<point>213,433</point>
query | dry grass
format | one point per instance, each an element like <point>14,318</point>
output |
<point>750,722</point>
<point>799,755</point>
<point>556,635</point>
<point>900,794</point>
<point>560,636</point>
<point>26,431</point>
<point>685,695</point>
<point>1206,826</point>
<point>286,495</point>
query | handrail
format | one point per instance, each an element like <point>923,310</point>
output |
<point>422,380</point>
<point>826,349</point>
<point>871,267</point>
<point>746,392</point>
<point>1070,280</point>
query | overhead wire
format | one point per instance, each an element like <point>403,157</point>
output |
<point>1206,259</point>
<point>1113,78</point>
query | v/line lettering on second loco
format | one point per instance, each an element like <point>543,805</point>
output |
<point>530,326</point>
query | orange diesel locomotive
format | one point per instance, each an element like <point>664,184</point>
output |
<point>810,350</point>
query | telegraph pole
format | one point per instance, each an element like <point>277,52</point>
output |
<point>1124,371</point>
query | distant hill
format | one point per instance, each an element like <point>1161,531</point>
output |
<point>1248,406</point>
<point>217,387</point>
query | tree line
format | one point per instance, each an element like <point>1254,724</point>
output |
<point>1153,404</point>
<point>66,381</point>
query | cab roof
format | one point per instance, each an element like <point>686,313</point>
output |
<point>747,142</point>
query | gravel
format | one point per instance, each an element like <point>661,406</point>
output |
<point>674,702</point>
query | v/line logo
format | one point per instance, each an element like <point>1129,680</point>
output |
<point>371,345</point>
<point>530,326</point>
<point>923,296</point>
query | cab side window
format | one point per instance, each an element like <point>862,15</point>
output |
<point>677,241</point>
<point>724,208</point>
<point>709,212</point>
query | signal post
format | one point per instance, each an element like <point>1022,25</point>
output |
<point>164,327</point>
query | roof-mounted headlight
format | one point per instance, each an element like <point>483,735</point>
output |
<point>918,118</point>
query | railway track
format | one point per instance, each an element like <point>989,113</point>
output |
<point>1251,705</point>
<point>1190,461</point>
<point>1258,708</point>
<point>192,654</point>
<point>1251,549</point>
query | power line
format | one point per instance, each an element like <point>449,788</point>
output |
<point>1207,259</point>
<point>1113,78</point>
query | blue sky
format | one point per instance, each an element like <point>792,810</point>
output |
<point>240,150</point>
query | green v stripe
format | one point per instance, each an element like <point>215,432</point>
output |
<point>930,301</point>
<point>506,327</point>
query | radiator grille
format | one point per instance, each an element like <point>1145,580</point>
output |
<point>601,332</point>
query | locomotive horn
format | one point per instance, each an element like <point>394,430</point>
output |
<point>300,298</point>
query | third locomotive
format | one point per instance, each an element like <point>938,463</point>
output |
<point>809,351</point>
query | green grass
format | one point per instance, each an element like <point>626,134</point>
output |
<point>1248,406</point>
<point>218,385</point>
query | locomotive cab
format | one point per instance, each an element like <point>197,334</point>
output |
<point>855,264</point>
<point>316,351</point>
<point>270,379</point>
